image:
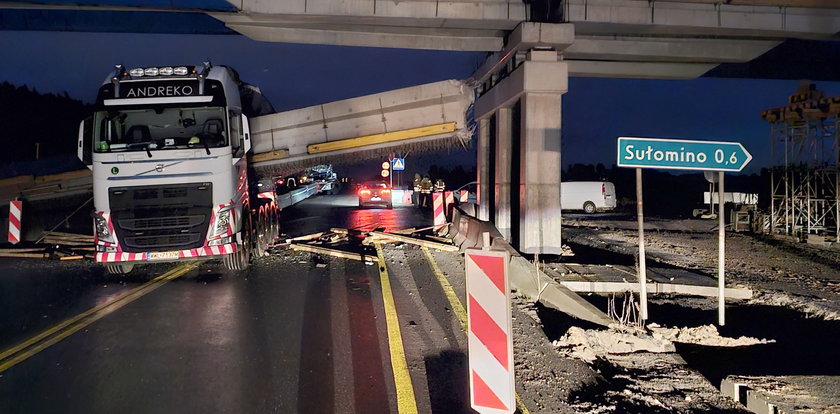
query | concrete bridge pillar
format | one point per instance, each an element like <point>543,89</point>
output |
<point>518,109</point>
<point>503,166</point>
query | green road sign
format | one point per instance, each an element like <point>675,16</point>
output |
<point>678,154</point>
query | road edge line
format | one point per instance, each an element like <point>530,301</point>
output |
<point>460,311</point>
<point>56,334</point>
<point>406,401</point>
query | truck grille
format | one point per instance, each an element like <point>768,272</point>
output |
<point>162,222</point>
<point>170,217</point>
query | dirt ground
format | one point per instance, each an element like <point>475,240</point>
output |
<point>783,273</point>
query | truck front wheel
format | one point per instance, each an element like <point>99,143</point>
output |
<point>241,259</point>
<point>119,269</point>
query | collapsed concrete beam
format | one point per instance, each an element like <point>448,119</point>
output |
<point>377,116</point>
<point>525,278</point>
<point>655,288</point>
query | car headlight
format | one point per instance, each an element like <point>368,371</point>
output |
<point>103,234</point>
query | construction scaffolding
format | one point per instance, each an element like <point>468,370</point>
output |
<point>804,177</point>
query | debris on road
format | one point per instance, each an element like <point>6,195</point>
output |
<point>707,335</point>
<point>334,252</point>
<point>591,344</point>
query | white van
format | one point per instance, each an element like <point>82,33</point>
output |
<point>589,196</point>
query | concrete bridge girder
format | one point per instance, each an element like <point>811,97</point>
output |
<point>643,17</point>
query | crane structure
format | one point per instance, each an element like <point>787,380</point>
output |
<point>805,179</point>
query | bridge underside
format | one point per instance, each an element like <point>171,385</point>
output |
<point>613,38</point>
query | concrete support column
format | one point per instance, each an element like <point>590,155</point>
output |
<point>483,186</point>
<point>503,166</point>
<point>539,186</point>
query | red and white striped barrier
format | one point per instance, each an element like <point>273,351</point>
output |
<point>15,210</point>
<point>449,200</point>
<point>120,256</point>
<point>490,341</point>
<point>437,208</point>
<point>464,197</point>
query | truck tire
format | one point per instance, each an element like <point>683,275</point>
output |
<point>261,233</point>
<point>589,207</point>
<point>242,258</point>
<point>119,269</point>
<point>275,223</point>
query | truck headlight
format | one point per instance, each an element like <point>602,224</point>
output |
<point>222,223</point>
<point>103,234</point>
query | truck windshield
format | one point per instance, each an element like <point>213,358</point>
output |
<point>159,128</point>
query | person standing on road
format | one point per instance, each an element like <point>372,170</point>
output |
<point>440,186</point>
<point>415,196</point>
<point>425,192</point>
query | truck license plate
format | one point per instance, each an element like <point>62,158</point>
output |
<point>162,255</point>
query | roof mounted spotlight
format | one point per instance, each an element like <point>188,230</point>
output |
<point>119,72</point>
<point>137,72</point>
<point>206,70</point>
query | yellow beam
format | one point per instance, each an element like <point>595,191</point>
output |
<point>381,138</point>
<point>271,155</point>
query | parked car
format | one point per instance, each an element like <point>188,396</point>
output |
<point>374,194</point>
<point>589,196</point>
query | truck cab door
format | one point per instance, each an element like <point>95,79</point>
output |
<point>85,144</point>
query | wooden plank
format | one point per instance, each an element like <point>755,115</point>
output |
<point>71,258</point>
<point>333,252</point>
<point>384,137</point>
<point>271,155</point>
<point>412,240</point>
<point>26,255</point>
<point>27,250</point>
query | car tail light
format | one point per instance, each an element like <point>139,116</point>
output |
<point>604,190</point>
<point>364,191</point>
<point>386,191</point>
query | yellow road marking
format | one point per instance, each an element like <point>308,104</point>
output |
<point>19,353</point>
<point>454,301</point>
<point>406,403</point>
<point>460,311</point>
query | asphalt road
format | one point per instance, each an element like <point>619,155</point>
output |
<point>295,333</point>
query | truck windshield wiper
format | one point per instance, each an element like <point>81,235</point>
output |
<point>148,150</point>
<point>206,146</point>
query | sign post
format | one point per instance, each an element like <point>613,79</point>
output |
<point>679,154</point>
<point>490,340</point>
<point>721,250</point>
<point>640,216</point>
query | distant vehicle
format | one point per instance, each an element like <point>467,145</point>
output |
<point>589,196</point>
<point>375,194</point>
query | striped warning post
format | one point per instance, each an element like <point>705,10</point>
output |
<point>15,210</point>
<point>449,200</point>
<point>490,344</point>
<point>437,208</point>
<point>464,197</point>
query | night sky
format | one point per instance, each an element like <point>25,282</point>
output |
<point>595,111</point>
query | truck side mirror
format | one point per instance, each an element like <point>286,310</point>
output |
<point>246,135</point>
<point>85,144</point>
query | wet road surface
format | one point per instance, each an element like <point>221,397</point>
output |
<point>295,333</point>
